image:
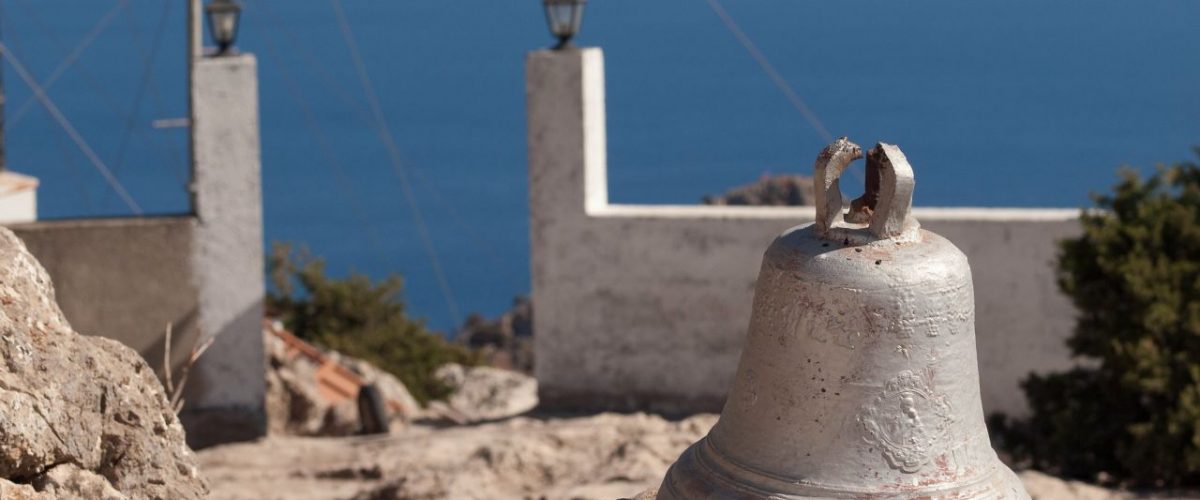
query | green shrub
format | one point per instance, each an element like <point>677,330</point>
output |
<point>1131,413</point>
<point>359,318</point>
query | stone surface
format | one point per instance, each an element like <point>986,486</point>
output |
<point>599,457</point>
<point>603,456</point>
<point>483,393</point>
<point>68,480</point>
<point>76,409</point>
<point>1046,487</point>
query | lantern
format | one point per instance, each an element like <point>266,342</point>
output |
<point>223,18</point>
<point>564,18</point>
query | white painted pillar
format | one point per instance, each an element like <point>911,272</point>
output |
<point>18,198</point>
<point>564,92</point>
<point>225,395</point>
<point>567,180</point>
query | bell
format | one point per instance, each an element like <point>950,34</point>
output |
<point>859,376</point>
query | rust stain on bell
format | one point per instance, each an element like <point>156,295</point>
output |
<point>858,378</point>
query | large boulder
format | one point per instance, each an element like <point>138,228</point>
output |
<point>80,416</point>
<point>483,393</point>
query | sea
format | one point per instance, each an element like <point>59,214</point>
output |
<point>1014,103</point>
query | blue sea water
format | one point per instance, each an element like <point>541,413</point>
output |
<point>996,103</point>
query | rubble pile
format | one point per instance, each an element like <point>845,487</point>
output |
<point>314,392</point>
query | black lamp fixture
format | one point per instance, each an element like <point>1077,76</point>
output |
<point>223,23</point>
<point>564,18</point>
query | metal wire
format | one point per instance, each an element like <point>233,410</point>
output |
<point>763,62</point>
<point>385,135</point>
<point>769,69</point>
<point>326,78</point>
<point>144,84</point>
<point>63,122</point>
<point>68,61</point>
<point>331,158</point>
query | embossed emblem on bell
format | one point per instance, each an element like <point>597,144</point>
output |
<point>858,376</point>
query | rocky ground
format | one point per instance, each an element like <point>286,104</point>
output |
<point>480,443</point>
<point>603,456</point>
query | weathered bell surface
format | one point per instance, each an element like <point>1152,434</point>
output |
<point>858,378</point>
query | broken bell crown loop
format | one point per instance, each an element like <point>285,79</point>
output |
<point>886,203</point>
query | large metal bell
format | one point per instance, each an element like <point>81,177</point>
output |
<point>859,377</point>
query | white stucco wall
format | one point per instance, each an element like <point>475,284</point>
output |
<point>18,198</point>
<point>645,307</point>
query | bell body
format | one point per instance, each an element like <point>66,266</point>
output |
<point>858,379</point>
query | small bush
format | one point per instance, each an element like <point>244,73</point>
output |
<point>361,319</point>
<point>1131,413</point>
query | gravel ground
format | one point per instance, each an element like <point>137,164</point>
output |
<point>602,456</point>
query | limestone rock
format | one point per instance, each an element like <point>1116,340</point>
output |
<point>600,457</point>
<point>69,481</point>
<point>781,190</point>
<point>1046,487</point>
<point>90,402</point>
<point>597,457</point>
<point>13,491</point>
<point>483,393</point>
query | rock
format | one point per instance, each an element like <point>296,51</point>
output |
<point>69,481</point>
<point>603,456</point>
<point>484,393</point>
<point>13,491</point>
<point>298,405</point>
<point>649,494</point>
<point>1046,487</point>
<point>597,457</point>
<point>782,190</point>
<point>77,412</point>
<point>506,342</point>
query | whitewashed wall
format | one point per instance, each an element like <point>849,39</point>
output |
<point>645,307</point>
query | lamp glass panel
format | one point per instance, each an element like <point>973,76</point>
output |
<point>576,17</point>
<point>561,15</point>
<point>224,26</point>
